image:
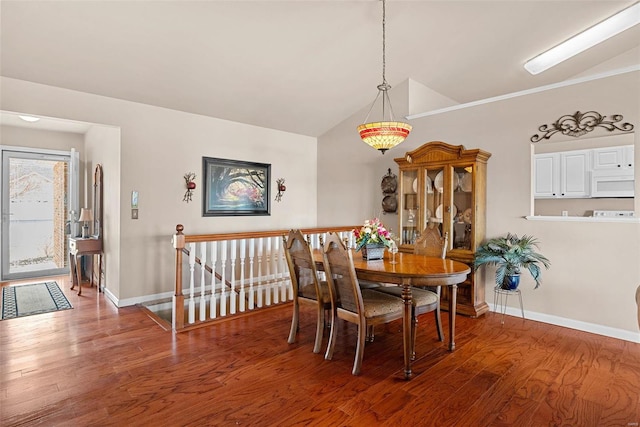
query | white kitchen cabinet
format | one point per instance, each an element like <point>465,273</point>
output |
<point>613,158</point>
<point>613,173</point>
<point>562,175</point>
<point>547,175</point>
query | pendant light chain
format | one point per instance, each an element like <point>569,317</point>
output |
<point>383,135</point>
<point>384,44</point>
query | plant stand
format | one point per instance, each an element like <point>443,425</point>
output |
<point>503,295</point>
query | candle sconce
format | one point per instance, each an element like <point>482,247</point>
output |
<point>191,185</point>
<point>281,189</point>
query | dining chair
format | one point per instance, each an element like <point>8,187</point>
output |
<point>364,307</point>
<point>427,299</point>
<point>306,286</point>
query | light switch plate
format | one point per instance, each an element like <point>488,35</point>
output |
<point>134,213</point>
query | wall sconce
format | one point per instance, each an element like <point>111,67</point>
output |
<point>191,185</point>
<point>281,189</point>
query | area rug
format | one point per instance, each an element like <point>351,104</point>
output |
<point>25,300</point>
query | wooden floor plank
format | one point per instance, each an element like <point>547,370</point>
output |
<point>99,365</point>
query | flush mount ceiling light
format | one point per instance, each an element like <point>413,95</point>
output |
<point>606,29</point>
<point>383,135</point>
<point>29,119</point>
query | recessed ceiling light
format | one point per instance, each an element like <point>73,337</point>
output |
<point>598,33</point>
<point>29,119</point>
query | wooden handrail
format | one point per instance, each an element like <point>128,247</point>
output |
<point>257,234</point>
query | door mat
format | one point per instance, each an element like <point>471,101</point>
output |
<point>25,300</point>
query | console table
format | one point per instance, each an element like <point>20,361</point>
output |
<point>77,248</point>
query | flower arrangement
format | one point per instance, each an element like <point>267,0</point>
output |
<point>373,231</point>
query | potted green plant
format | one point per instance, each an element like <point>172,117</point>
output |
<point>510,254</point>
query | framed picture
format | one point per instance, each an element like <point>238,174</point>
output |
<point>233,187</point>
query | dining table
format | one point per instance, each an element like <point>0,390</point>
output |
<point>412,270</point>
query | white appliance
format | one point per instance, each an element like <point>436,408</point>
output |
<point>606,184</point>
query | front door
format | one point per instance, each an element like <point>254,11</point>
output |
<point>35,213</point>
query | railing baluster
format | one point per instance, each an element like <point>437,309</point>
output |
<point>251,290</point>
<point>192,265</point>
<point>242,255</point>
<point>284,283</point>
<point>260,275</point>
<point>203,283</point>
<point>213,310</point>
<point>223,277</point>
<point>276,270</point>
<point>233,297</point>
<point>267,299</point>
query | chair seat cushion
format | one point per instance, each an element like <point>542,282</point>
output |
<point>365,284</point>
<point>379,304</point>
<point>420,297</point>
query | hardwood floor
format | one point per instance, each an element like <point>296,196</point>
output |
<point>97,365</point>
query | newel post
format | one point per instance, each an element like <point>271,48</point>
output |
<point>177,318</point>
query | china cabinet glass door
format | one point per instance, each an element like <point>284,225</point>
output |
<point>462,216</point>
<point>434,197</point>
<point>410,204</point>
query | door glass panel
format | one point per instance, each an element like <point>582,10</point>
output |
<point>462,209</point>
<point>34,208</point>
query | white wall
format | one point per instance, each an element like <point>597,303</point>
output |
<point>157,147</point>
<point>103,147</point>
<point>595,268</point>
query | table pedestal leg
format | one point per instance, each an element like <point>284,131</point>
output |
<point>452,316</point>
<point>406,328</point>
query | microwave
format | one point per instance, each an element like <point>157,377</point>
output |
<point>619,185</point>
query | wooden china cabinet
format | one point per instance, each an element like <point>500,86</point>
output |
<point>444,186</point>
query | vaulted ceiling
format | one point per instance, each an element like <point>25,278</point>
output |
<point>298,66</point>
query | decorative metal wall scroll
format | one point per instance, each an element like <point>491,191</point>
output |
<point>579,124</point>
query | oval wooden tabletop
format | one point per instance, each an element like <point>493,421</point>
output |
<point>409,266</point>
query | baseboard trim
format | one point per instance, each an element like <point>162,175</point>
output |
<point>593,328</point>
<point>137,300</point>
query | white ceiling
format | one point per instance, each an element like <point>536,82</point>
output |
<point>299,66</point>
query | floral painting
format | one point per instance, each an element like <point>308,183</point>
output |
<point>233,187</point>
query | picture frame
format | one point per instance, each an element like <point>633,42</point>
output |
<point>234,187</point>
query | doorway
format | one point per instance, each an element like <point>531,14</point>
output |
<point>38,193</point>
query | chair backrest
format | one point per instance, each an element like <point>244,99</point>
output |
<point>341,275</point>
<point>302,268</point>
<point>431,243</point>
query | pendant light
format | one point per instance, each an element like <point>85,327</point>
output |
<point>383,135</point>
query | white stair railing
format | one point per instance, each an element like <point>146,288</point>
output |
<point>236,272</point>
